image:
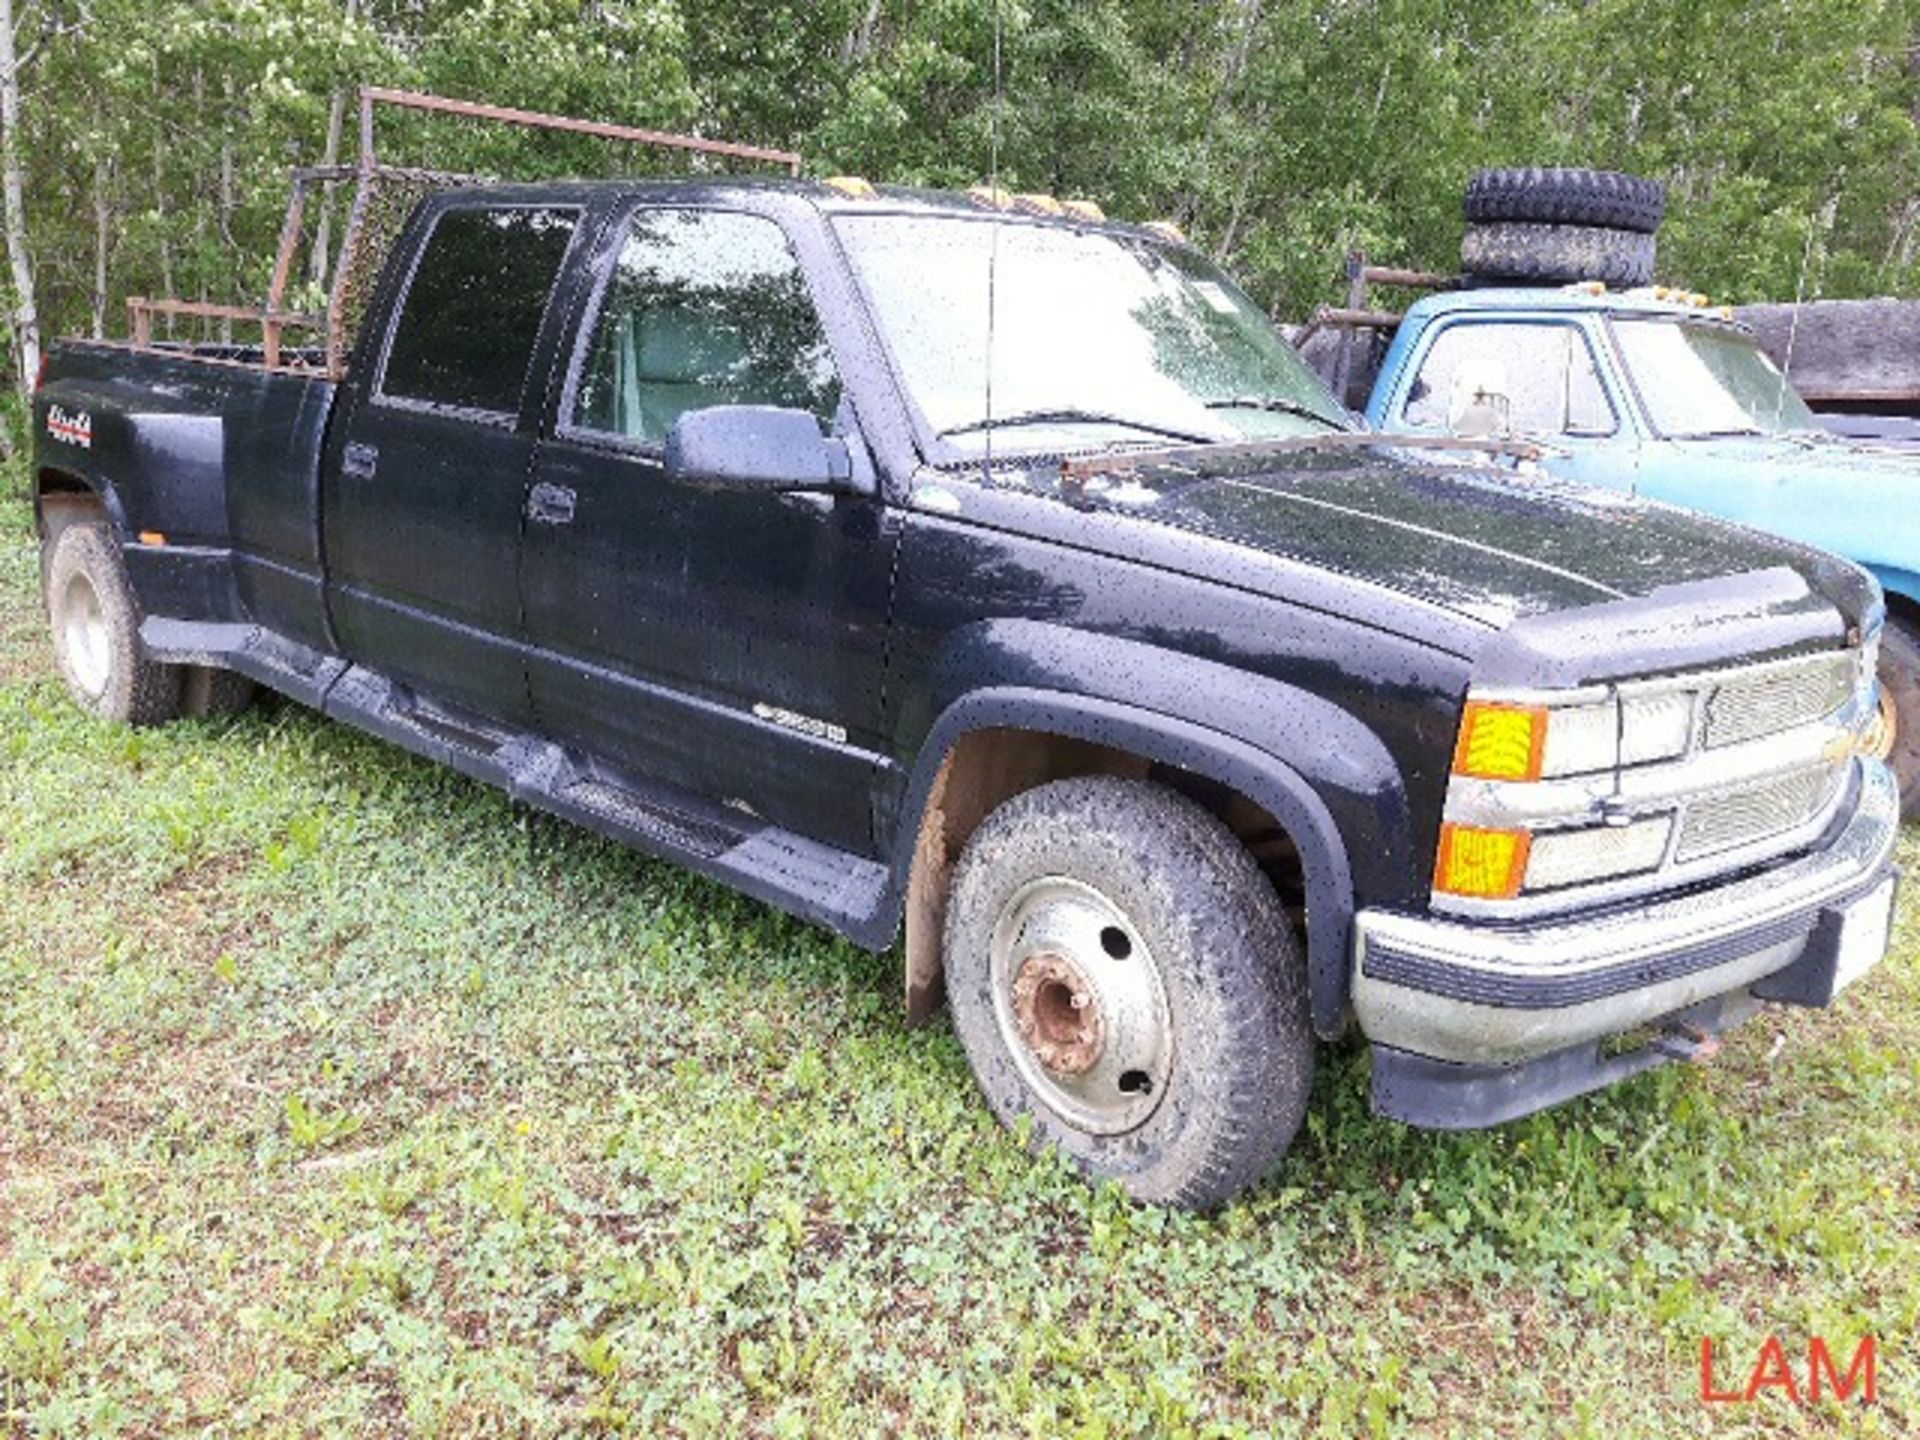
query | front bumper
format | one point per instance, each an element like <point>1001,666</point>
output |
<point>1517,1014</point>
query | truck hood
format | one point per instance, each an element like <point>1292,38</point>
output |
<point>1497,547</point>
<point>1824,454</point>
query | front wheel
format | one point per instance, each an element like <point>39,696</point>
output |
<point>1122,973</point>
<point>1900,708</point>
<point>96,631</point>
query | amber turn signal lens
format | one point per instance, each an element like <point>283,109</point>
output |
<point>1501,742</point>
<point>1483,864</point>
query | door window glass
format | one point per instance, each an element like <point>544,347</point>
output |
<point>705,307</point>
<point>1546,371</point>
<point>466,334</point>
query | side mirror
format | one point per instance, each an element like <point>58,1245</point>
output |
<point>756,447</point>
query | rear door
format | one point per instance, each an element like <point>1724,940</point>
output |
<point>726,642</point>
<point>424,503</point>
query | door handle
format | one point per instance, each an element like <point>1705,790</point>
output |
<point>550,504</point>
<point>358,461</point>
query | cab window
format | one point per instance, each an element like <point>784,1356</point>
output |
<point>1546,372</point>
<point>465,336</point>
<point>704,307</point>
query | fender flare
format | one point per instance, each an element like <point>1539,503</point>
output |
<point>97,488</point>
<point>1168,740</point>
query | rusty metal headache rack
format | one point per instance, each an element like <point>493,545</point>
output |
<point>383,196</point>
<point>1360,328</point>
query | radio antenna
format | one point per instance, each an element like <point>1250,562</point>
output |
<point>993,238</point>
<point>1793,328</point>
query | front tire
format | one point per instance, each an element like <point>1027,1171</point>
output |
<point>1122,972</point>
<point>1900,698</point>
<point>96,631</point>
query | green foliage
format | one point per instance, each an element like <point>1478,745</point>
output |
<point>156,131</point>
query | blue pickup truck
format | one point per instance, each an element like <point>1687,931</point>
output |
<point>1655,394</point>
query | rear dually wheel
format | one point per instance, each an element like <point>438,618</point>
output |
<point>96,631</point>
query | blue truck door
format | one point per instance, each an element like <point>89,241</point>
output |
<point>1561,391</point>
<point>423,501</point>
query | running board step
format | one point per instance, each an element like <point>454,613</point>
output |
<point>828,886</point>
<point>671,827</point>
<point>295,670</point>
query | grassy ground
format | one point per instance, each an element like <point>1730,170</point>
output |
<point>339,1095</point>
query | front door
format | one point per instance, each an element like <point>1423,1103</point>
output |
<point>1554,388</point>
<point>424,504</point>
<point>727,643</point>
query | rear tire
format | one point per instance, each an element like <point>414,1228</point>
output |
<point>96,631</point>
<point>1900,692</point>
<point>1123,974</point>
<point>1602,198</point>
<point>1516,253</point>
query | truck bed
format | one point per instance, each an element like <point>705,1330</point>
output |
<point>210,468</point>
<point>1857,362</point>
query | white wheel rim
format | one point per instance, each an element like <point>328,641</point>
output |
<point>1081,1005</point>
<point>84,636</point>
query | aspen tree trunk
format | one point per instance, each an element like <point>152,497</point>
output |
<point>166,218</point>
<point>102,242</point>
<point>858,44</point>
<point>228,244</point>
<point>26,315</point>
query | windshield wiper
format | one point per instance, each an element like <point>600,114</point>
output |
<point>1739,432</point>
<point>1278,404</point>
<point>1078,417</point>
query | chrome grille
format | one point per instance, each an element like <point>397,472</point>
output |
<point>1779,698</point>
<point>1742,817</point>
<point>1770,747</point>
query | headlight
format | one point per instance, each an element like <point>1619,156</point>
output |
<point>1499,741</point>
<point>1559,858</point>
<point>1519,743</point>
<point>1486,864</point>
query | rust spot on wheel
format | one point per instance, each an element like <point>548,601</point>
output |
<point>1886,728</point>
<point>1054,1008</point>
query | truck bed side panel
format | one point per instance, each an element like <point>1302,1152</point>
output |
<point>223,460</point>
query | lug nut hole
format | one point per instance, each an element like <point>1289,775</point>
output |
<point>1136,1082</point>
<point>1114,941</point>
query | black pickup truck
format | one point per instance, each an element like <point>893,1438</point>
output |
<point>988,570</point>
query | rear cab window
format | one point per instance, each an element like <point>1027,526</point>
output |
<point>465,335</point>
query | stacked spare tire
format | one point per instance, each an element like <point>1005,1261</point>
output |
<point>1542,226</point>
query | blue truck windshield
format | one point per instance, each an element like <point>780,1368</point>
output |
<point>1699,380</point>
<point>1096,339</point>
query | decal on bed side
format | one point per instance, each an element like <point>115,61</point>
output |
<point>75,427</point>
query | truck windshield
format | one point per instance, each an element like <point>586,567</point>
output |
<point>1700,380</point>
<point>1096,339</point>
